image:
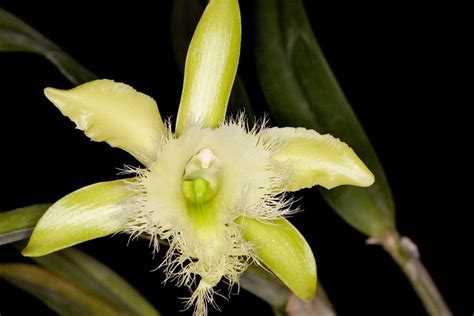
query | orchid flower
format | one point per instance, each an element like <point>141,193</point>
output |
<point>214,189</point>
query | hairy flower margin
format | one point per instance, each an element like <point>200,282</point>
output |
<point>213,188</point>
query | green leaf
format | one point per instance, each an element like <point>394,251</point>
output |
<point>266,286</point>
<point>97,279</point>
<point>17,36</point>
<point>185,16</point>
<point>320,305</point>
<point>88,213</point>
<point>18,224</point>
<point>285,252</point>
<point>301,90</point>
<point>239,101</point>
<point>60,295</point>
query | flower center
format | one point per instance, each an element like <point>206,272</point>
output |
<point>200,180</point>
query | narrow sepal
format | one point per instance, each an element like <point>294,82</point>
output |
<point>88,213</point>
<point>285,252</point>
<point>211,65</point>
<point>62,296</point>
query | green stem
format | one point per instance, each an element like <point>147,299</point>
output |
<point>405,253</point>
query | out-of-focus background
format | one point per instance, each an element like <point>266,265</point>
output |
<point>396,64</point>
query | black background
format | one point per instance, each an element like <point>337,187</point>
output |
<point>399,67</point>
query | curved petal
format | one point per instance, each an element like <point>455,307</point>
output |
<point>211,65</point>
<point>316,159</point>
<point>88,213</point>
<point>115,113</point>
<point>285,252</point>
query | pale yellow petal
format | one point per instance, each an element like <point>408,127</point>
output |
<point>115,113</point>
<point>88,213</point>
<point>211,65</point>
<point>315,159</point>
<point>285,252</point>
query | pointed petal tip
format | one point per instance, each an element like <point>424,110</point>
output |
<point>27,252</point>
<point>360,175</point>
<point>31,252</point>
<point>54,94</point>
<point>310,292</point>
<point>367,177</point>
<point>48,91</point>
<point>34,249</point>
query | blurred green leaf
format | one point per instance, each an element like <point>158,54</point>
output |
<point>17,36</point>
<point>185,15</point>
<point>18,224</point>
<point>269,288</point>
<point>266,286</point>
<point>301,90</point>
<point>60,295</point>
<point>97,279</point>
<point>239,100</point>
<point>319,306</point>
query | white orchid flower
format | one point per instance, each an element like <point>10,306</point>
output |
<point>215,190</point>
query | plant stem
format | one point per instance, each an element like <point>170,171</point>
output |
<point>405,253</point>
